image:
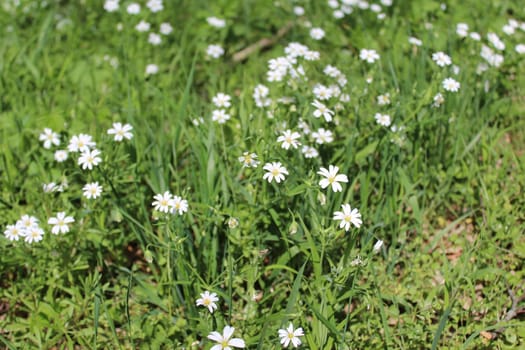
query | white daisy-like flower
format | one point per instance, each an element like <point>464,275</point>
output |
<point>441,59</point>
<point>152,69</point>
<point>309,152</point>
<point>450,84</point>
<point>383,119</point>
<point>92,190</point>
<point>289,138</point>
<point>317,33</point>
<point>290,335</point>
<point>89,158</point>
<point>143,26</point>
<point>26,222</point>
<point>322,136</point>
<point>214,51</point>
<point>50,187</point>
<point>322,110</point>
<point>155,5</point>
<point>165,29</point>
<point>111,5</point>
<point>49,137</point>
<point>216,22</point>
<point>298,10</point>
<point>60,223</point>
<point>208,300</point>
<point>61,155</point>
<point>332,178</point>
<point>221,100</point>
<point>154,39</point>
<point>133,9</point>
<point>163,202</point>
<point>249,160</point>
<point>415,41</point>
<point>220,116</point>
<point>369,56</point>
<point>348,216</point>
<point>276,171</point>
<point>383,100</point>
<point>223,340</point>
<point>178,205</point>
<point>322,92</point>
<point>439,99</point>
<point>121,131</point>
<point>14,232</point>
<point>80,143</point>
<point>34,234</point>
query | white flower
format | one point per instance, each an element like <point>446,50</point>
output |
<point>88,159</point>
<point>61,155</point>
<point>383,119</point>
<point>215,51</point>
<point>298,10</point>
<point>383,99</point>
<point>322,92</point>
<point>322,110</point>
<point>290,335</point>
<point>221,100</point>
<point>224,341</point>
<point>289,138</point>
<point>178,205</point>
<point>80,143</point>
<point>475,36</point>
<point>26,222</point>
<point>111,5</point>
<point>450,84</point>
<point>322,136</point>
<point>133,9</point>
<point>462,29</point>
<point>520,48</point>
<point>438,100</point>
<point>249,160</point>
<point>208,300</point>
<point>154,39</point>
<point>14,232</point>
<point>220,116</point>
<point>275,171</point>
<point>152,69</point>
<point>92,190</point>
<point>163,202</point>
<point>49,137</point>
<point>332,178</point>
<point>317,33</point>
<point>216,22</point>
<point>155,5</point>
<point>34,234</point>
<point>441,59</point>
<point>60,223</point>
<point>165,28</point>
<point>377,246</point>
<point>415,41</point>
<point>143,26</point>
<point>121,131</point>
<point>309,152</point>
<point>50,187</point>
<point>348,216</point>
<point>368,55</point>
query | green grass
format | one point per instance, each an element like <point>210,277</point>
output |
<point>445,194</point>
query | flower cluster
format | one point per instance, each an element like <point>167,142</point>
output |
<point>168,203</point>
<point>225,341</point>
<point>28,227</point>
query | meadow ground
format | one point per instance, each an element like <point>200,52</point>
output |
<point>322,174</point>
